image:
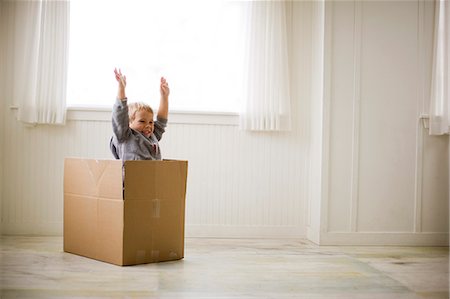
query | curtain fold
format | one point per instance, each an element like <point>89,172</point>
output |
<point>266,104</point>
<point>440,98</point>
<point>39,59</point>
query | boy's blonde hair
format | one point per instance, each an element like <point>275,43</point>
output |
<point>135,107</point>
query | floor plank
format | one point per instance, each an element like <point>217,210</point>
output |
<point>36,267</point>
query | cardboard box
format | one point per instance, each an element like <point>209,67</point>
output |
<point>125,222</point>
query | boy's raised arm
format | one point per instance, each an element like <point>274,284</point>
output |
<point>120,121</point>
<point>163,110</point>
<point>122,83</point>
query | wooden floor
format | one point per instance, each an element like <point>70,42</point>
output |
<point>36,267</point>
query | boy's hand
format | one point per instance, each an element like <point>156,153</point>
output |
<point>164,88</point>
<point>163,110</point>
<point>122,80</point>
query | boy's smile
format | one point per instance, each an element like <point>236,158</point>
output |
<point>143,122</point>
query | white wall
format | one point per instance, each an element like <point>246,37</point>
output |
<point>2,103</point>
<point>2,100</point>
<point>315,73</point>
<point>357,168</point>
<point>387,180</point>
<point>240,184</point>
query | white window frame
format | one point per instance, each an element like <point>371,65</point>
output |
<point>175,117</point>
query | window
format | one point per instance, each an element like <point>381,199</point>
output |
<point>196,45</point>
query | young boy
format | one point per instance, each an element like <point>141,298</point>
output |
<point>136,135</point>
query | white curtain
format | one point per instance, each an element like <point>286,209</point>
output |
<point>266,76</point>
<point>38,55</point>
<point>440,97</point>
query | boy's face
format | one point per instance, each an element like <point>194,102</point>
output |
<point>143,122</point>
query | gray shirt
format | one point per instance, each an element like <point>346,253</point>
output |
<point>128,144</point>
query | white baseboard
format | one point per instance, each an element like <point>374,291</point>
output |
<point>224,231</point>
<point>272,232</point>
<point>192,231</point>
<point>313,235</point>
<point>32,228</point>
<point>385,239</point>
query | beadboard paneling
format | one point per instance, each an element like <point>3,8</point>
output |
<point>238,181</point>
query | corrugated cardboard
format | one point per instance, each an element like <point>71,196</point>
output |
<point>135,220</point>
